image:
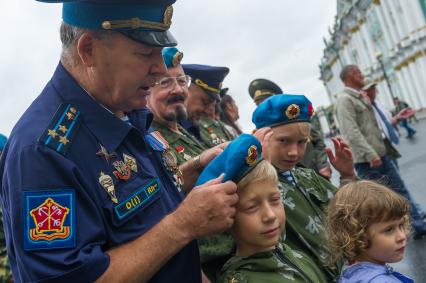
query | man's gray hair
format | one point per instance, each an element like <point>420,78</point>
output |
<point>70,35</point>
<point>345,71</point>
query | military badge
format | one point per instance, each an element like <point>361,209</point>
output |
<point>104,153</point>
<point>50,219</point>
<point>122,171</point>
<point>292,111</point>
<point>310,110</point>
<point>130,162</point>
<point>177,58</point>
<point>181,150</point>
<point>108,184</point>
<point>252,155</point>
<point>170,159</point>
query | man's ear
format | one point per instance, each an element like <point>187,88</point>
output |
<point>85,48</point>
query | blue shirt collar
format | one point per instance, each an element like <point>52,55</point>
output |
<point>104,125</point>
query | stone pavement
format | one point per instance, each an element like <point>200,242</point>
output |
<point>413,170</point>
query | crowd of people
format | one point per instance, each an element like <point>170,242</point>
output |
<point>131,166</point>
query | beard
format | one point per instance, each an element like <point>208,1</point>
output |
<point>178,114</point>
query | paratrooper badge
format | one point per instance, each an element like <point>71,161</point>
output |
<point>49,222</point>
<point>292,111</point>
<point>108,184</point>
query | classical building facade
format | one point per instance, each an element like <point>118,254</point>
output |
<point>387,40</point>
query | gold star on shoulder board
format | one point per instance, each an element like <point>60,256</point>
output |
<point>52,133</point>
<point>64,140</point>
<point>63,129</point>
<point>70,116</point>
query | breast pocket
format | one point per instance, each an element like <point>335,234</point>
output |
<point>135,199</point>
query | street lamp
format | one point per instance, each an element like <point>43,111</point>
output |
<point>379,56</point>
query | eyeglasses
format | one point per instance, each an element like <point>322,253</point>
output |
<point>169,82</point>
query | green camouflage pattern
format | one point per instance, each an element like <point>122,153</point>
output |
<point>281,265</point>
<point>305,218</point>
<point>213,132</point>
<point>5,271</point>
<point>183,145</point>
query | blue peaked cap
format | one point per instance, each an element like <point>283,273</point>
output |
<point>282,109</point>
<point>236,161</point>
<point>172,56</point>
<point>146,21</point>
<point>209,78</point>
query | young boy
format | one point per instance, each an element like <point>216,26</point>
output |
<point>305,194</point>
<point>259,220</point>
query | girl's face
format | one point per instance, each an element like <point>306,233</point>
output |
<point>387,241</point>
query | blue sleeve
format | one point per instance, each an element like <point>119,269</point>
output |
<point>53,225</point>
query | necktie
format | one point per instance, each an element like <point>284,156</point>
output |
<point>289,176</point>
<point>392,134</point>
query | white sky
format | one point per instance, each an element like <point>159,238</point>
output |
<point>280,40</point>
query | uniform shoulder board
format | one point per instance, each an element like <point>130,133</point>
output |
<point>62,128</point>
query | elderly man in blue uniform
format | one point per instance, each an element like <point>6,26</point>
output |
<point>88,193</point>
<point>203,96</point>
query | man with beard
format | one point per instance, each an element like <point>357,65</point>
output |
<point>166,102</point>
<point>203,95</point>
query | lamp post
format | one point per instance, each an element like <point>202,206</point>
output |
<point>379,56</point>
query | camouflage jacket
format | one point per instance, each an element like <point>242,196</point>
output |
<point>281,265</point>
<point>213,132</point>
<point>184,146</point>
<point>305,218</point>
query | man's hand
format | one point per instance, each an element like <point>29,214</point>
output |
<point>208,209</point>
<point>264,136</point>
<point>376,162</point>
<point>342,159</point>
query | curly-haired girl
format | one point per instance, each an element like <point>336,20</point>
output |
<point>367,225</point>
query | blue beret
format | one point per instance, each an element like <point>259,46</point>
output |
<point>146,21</point>
<point>236,161</point>
<point>282,109</point>
<point>209,78</point>
<point>3,140</point>
<point>172,56</point>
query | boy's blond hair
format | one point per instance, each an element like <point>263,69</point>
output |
<point>353,209</point>
<point>264,171</point>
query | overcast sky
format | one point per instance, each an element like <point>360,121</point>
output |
<point>276,39</point>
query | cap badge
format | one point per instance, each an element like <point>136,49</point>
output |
<point>177,58</point>
<point>251,155</point>
<point>292,111</point>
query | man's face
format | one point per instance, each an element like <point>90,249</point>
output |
<point>198,103</point>
<point>123,71</point>
<point>357,77</point>
<point>287,145</point>
<point>167,102</point>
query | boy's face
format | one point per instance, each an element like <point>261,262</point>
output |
<point>259,219</point>
<point>387,241</point>
<point>287,145</point>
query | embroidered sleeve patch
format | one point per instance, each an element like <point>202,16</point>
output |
<point>49,219</point>
<point>137,200</point>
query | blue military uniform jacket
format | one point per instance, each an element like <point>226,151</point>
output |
<point>76,182</point>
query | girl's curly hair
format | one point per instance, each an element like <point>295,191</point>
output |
<point>353,209</point>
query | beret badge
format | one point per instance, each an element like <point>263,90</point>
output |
<point>293,110</point>
<point>177,58</point>
<point>252,155</point>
